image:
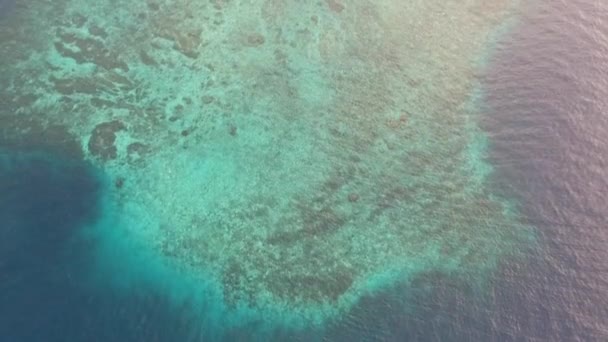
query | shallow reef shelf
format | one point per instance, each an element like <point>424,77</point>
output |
<point>274,160</point>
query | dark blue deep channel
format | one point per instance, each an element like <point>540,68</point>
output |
<point>45,203</point>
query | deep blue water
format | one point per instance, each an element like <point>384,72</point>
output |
<point>44,202</point>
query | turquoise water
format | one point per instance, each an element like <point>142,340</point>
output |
<point>64,249</point>
<point>265,163</point>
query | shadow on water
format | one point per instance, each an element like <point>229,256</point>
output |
<point>44,202</point>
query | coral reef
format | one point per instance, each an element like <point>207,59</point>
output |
<point>294,154</point>
<point>101,143</point>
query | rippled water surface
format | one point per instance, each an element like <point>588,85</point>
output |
<point>283,171</point>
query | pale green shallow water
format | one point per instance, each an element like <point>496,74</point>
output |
<point>277,160</point>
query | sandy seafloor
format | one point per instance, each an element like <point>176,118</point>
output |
<point>253,170</point>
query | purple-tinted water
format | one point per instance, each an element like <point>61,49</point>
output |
<point>547,103</point>
<point>548,120</point>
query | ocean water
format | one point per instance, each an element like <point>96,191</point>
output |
<point>277,171</point>
<point>5,7</point>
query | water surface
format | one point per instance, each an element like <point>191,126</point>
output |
<point>484,183</point>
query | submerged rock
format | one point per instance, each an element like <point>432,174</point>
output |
<point>101,143</point>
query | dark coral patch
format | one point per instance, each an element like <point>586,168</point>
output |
<point>79,20</point>
<point>207,99</point>
<point>235,287</point>
<point>313,222</point>
<point>137,151</point>
<point>153,6</point>
<point>89,50</point>
<point>317,288</point>
<point>76,85</point>
<point>103,137</point>
<point>101,103</point>
<point>335,6</point>
<point>232,130</point>
<point>98,31</point>
<point>137,148</point>
<point>255,39</point>
<point>119,182</point>
<point>147,59</point>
